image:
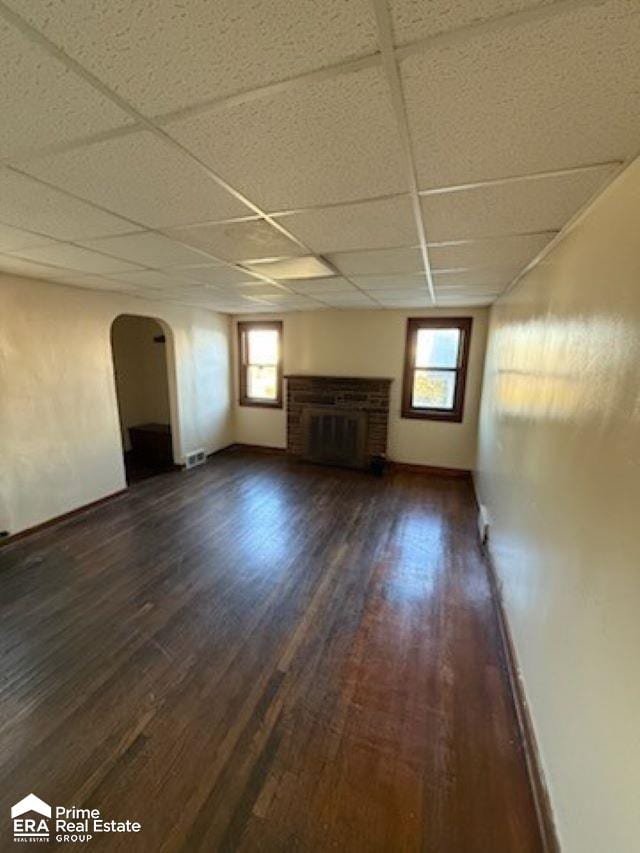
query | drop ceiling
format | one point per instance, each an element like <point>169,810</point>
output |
<point>397,153</point>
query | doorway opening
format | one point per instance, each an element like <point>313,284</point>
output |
<point>139,348</point>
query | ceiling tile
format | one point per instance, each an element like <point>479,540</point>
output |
<point>161,55</point>
<point>368,225</point>
<point>141,177</point>
<point>75,258</point>
<point>147,249</point>
<point>379,261</point>
<point>152,279</point>
<point>546,94</point>
<point>540,204</point>
<point>415,19</point>
<point>239,241</point>
<point>317,286</point>
<point>395,295</point>
<point>12,265</point>
<point>515,251</point>
<point>215,276</point>
<point>354,298</point>
<point>15,238</point>
<point>26,203</point>
<point>476,278</point>
<point>260,290</point>
<point>389,282</point>
<point>463,301</point>
<point>329,141</point>
<point>42,102</point>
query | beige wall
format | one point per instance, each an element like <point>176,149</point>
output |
<point>371,343</point>
<point>559,469</point>
<point>60,444</point>
<point>140,364</point>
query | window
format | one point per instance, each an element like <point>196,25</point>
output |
<point>435,369</point>
<point>260,354</point>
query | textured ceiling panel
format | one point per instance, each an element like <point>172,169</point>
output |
<point>42,102</point>
<point>524,206</point>
<point>216,276</point>
<point>15,238</point>
<point>544,95</point>
<point>153,279</point>
<point>147,249</point>
<point>417,19</point>
<point>329,141</point>
<point>485,278</point>
<point>389,282</point>
<point>28,204</point>
<point>141,177</point>
<point>380,261</point>
<point>499,251</point>
<point>161,54</point>
<point>318,286</point>
<point>369,225</point>
<point>238,241</point>
<point>20,266</point>
<point>354,299</point>
<point>75,258</point>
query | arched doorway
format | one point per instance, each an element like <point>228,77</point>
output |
<point>139,349</point>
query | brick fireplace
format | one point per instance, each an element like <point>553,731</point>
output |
<point>345,404</point>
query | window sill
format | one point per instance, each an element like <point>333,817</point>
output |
<point>432,415</point>
<point>261,404</point>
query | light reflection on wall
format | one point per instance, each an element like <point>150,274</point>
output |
<point>560,369</point>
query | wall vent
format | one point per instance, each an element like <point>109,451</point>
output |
<point>196,457</point>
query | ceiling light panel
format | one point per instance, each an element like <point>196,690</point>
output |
<point>162,59</point>
<point>147,249</point>
<point>75,258</point>
<point>328,141</point>
<point>415,19</point>
<point>286,268</point>
<point>42,103</point>
<point>545,94</point>
<point>515,251</point>
<point>141,177</point>
<point>26,203</point>
<point>368,225</point>
<point>377,262</point>
<point>543,204</point>
<point>239,241</point>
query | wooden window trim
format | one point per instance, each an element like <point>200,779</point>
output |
<point>243,328</point>
<point>456,414</point>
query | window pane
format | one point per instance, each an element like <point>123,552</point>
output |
<point>262,346</point>
<point>262,382</point>
<point>437,347</point>
<point>434,389</point>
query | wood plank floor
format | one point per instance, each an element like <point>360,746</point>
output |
<point>264,655</point>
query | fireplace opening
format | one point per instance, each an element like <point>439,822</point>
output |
<point>333,436</point>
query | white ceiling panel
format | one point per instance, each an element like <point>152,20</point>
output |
<point>328,141</point>
<point>380,261</point>
<point>141,177</point>
<point>214,276</point>
<point>498,278</point>
<point>153,279</point>
<point>515,251</point>
<point>42,102</point>
<point>389,282</point>
<point>541,204</point>
<point>161,55</point>
<point>318,286</point>
<point>11,264</point>
<point>353,298</point>
<point>147,249</point>
<point>28,204</point>
<point>75,258</point>
<point>15,238</point>
<point>369,225</point>
<point>238,241</point>
<point>463,301</point>
<point>415,19</point>
<point>394,295</point>
<point>547,94</point>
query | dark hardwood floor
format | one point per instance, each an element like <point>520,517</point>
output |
<point>264,655</point>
